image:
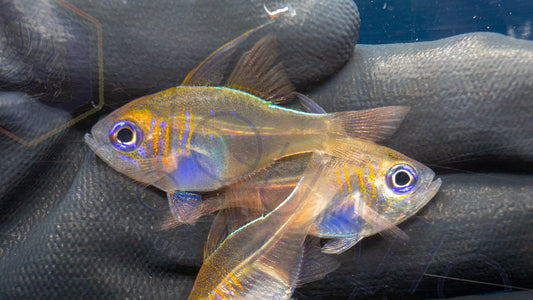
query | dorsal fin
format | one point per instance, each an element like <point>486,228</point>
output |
<point>211,70</point>
<point>255,73</point>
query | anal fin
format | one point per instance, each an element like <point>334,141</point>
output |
<point>340,245</point>
<point>315,264</point>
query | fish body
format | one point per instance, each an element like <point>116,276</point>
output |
<point>379,191</point>
<point>201,137</point>
<point>263,258</point>
<point>372,192</point>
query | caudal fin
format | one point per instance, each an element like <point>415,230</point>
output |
<point>371,125</point>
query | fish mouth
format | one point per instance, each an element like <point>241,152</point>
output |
<point>426,194</point>
<point>433,188</point>
<point>90,141</point>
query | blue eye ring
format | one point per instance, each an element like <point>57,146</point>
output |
<point>402,178</point>
<point>125,136</point>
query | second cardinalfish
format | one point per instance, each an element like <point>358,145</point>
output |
<point>201,136</point>
<point>373,191</point>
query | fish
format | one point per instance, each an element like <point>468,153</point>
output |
<point>377,193</point>
<point>371,194</point>
<point>204,135</point>
<point>266,257</point>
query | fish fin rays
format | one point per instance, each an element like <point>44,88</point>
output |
<point>256,73</point>
<point>309,105</point>
<point>315,265</point>
<point>243,204</point>
<point>340,245</point>
<point>187,207</point>
<point>372,125</point>
<point>226,222</point>
<point>210,71</point>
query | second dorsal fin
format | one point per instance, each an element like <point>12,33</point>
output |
<point>256,73</point>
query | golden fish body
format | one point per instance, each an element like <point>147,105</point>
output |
<point>373,191</point>
<point>200,137</point>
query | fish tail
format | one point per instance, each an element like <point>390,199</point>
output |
<point>373,125</point>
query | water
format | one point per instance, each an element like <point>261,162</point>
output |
<point>400,21</point>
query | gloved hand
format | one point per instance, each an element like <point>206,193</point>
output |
<point>73,227</point>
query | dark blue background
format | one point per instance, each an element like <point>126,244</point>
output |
<point>397,21</point>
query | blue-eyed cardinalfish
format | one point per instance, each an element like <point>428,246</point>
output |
<point>204,135</point>
<point>375,189</point>
<point>378,189</point>
<point>267,257</point>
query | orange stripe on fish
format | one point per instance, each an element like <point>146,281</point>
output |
<point>156,136</point>
<point>167,143</point>
<point>224,274</point>
<point>221,294</point>
<point>237,283</point>
<point>347,180</point>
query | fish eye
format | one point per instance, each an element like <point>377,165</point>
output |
<point>402,178</point>
<point>125,136</point>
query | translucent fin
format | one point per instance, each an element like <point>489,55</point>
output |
<point>168,222</point>
<point>340,245</point>
<point>187,207</point>
<point>244,204</point>
<point>309,105</point>
<point>220,229</point>
<point>255,73</point>
<point>225,223</point>
<point>371,125</point>
<point>261,259</point>
<point>315,265</point>
<point>211,70</point>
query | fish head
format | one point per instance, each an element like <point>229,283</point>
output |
<point>398,186</point>
<point>125,140</point>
